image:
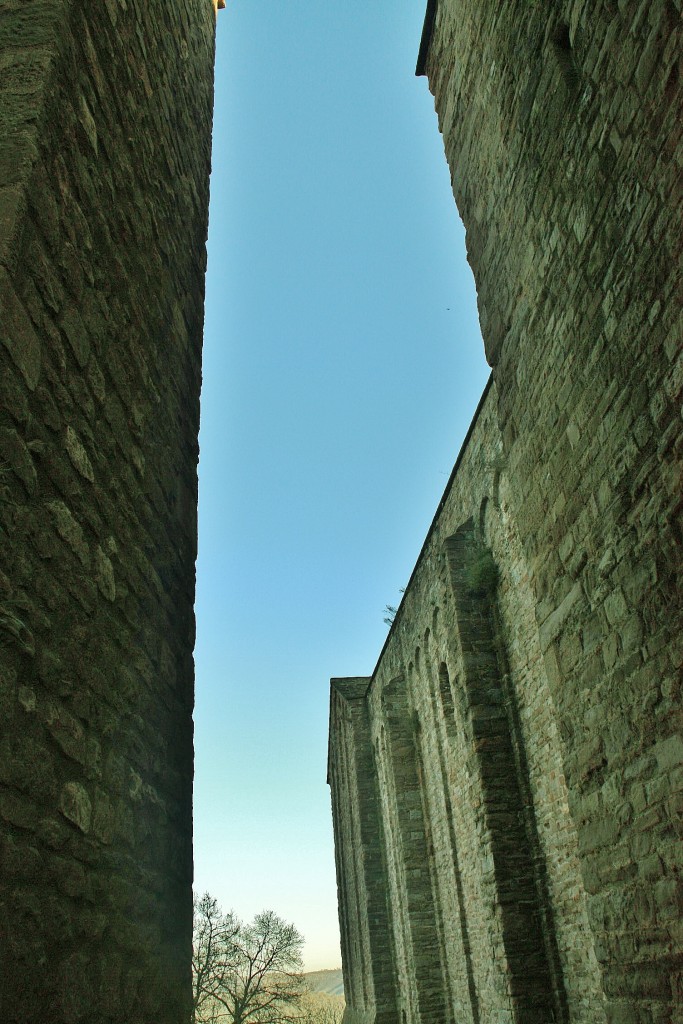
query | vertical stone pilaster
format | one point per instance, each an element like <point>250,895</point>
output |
<point>369,973</point>
<point>535,982</point>
<point>422,978</point>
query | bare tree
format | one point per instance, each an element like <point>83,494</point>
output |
<point>245,974</point>
<point>213,958</point>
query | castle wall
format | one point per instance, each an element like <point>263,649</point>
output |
<point>536,655</point>
<point>105,121</point>
<point>569,187</point>
<point>466,746</point>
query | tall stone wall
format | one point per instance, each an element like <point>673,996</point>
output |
<point>480,867</point>
<point>105,122</point>
<point>525,713</point>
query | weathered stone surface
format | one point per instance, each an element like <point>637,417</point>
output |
<point>75,804</point>
<point>523,722</point>
<point>105,122</point>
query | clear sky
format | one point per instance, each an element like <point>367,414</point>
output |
<point>342,366</point>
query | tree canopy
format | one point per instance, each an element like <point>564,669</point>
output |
<point>245,973</point>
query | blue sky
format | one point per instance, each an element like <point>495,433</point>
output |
<point>342,366</point>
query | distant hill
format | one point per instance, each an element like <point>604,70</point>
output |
<point>330,982</point>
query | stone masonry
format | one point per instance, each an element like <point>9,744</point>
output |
<point>507,785</point>
<point>105,130</point>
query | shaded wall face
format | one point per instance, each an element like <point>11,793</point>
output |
<point>105,119</point>
<point>561,125</point>
<point>360,854</point>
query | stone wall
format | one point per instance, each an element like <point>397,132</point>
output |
<point>525,715</point>
<point>105,122</point>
